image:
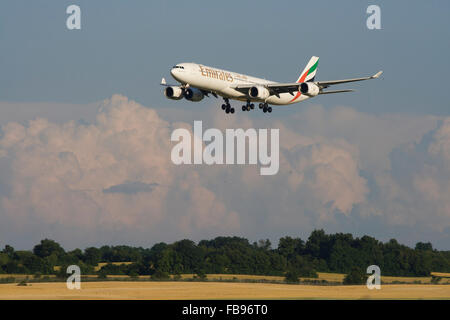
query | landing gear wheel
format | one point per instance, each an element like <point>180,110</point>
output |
<point>227,110</point>
<point>232,110</point>
<point>269,109</point>
<point>264,109</point>
<point>252,106</point>
<point>261,105</point>
<point>244,108</point>
<point>224,106</point>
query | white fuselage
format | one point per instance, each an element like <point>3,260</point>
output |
<point>223,82</point>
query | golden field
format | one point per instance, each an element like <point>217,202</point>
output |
<point>217,290</point>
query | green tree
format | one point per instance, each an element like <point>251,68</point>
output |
<point>189,257</point>
<point>303,267</point>
<point>4,259</point>
<point>292,276</point>
<point>264,244</point>
<point>289,247</point>
<point>77,254</point>
<point>8,250</point>
<point>53,260</point>
<point>318,245</point>
<point>14,267</point>
<point>35,264</point>
<point>424,246</point>
<point>48,247</point>
<point>92,256</point>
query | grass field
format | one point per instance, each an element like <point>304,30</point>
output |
<point>217,290</point>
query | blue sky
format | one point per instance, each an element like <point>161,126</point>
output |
<point>376,161</point>
<point>127,47</point>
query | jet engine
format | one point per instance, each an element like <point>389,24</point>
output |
<point>309,89</point>
<point>193,94</point>
<point>174,93</point>
<point>258,92</point>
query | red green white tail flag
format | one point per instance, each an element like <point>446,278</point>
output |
<point>309,72</point>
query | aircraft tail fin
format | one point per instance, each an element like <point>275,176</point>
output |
<point>310,70</point>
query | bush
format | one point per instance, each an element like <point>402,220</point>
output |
<point>160,275</point>
<point>356,276</point>
<point>177,277</point>
<point>8,280</point>
<point>200,276</point>
<point>22,283</point>
<point>435,279</point>
<point>114,269</point>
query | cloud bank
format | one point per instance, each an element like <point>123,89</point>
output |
<point>111,180</point>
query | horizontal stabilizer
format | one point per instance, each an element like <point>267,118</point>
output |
<point>164,83</point>
<point>336,91</point>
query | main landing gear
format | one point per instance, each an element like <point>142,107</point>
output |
<point>247,107</point>
<point>265,107</point>
<point>227,107</point>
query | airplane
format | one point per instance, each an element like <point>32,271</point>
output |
<point>198,81</point>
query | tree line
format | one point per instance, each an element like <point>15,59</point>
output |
<point>321,252</point>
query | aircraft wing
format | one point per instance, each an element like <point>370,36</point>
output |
<point>277,88</point>
<point>326,84</point>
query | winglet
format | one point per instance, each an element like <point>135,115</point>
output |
<point>163,81</point>
<point>376,75</point>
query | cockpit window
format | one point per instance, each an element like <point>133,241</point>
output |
<point>178,67</point>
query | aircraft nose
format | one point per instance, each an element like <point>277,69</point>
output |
<point>172,72</point>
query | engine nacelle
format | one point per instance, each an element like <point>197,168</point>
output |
<point>193,94</point>
<point>174,93</point>
<point>309,89</point>
<point>258,92</point>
